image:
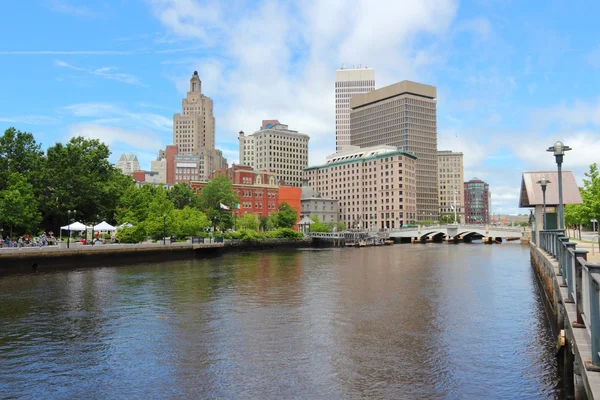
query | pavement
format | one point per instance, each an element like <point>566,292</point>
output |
<point>592,248</point>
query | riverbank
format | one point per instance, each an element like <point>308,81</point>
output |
<point>38,259</point>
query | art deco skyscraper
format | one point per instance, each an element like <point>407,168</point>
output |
<point>194,133</point>
<point>402,115</point>
<point>349,83</point>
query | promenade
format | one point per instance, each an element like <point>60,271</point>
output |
<point>593,254</point>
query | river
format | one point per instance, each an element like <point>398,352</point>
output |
<point>428,321</point>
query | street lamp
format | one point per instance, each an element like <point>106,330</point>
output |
<point>543,183</point>
<point>69,212</point>
<point>559,151</point>
<point>164,229</point>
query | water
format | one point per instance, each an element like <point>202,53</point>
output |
<point>402,322</point>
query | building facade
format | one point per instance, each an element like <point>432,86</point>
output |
<point>128,163</point>
<point>349,82</point>
<point>477,202</point>
<point>258,192</point>
<point>313,205</point>
<point>451,184</point>
<point>276,148</point>
<point>402,115</point>
<point>375,186</point>
<point>194,129</point>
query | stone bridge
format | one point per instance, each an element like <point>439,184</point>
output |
<point>452,231</point>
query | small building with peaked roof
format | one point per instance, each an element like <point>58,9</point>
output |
<point>128,163</point>
<point>531,195</point>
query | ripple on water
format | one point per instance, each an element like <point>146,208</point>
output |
<point>399,322</point>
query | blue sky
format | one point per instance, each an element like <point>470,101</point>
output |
<point>512,76</point>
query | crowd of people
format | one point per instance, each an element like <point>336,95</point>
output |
<point>26,240</point>
<point>46,239</point>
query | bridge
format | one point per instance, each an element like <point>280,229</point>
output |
<point>457,232</point>
<point>448,232</point>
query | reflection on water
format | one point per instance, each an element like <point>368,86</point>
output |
<point>403,322</point>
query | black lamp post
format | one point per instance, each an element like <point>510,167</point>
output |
<point>74,212</point>
<point>543,183</point>
<point>164,229</point>
<point>559,151</point>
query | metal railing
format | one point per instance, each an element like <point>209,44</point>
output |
<point>582,280</point>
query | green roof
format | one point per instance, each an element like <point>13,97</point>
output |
<point>362,159</point>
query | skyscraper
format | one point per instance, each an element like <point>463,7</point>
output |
<point>451,184</point>
<point>194,132</point>
<point>349,83</point>
<point>402,115</point>
<point>276,148</point>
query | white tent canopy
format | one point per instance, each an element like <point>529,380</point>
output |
<point>104,226</point>
<point>75,226</point>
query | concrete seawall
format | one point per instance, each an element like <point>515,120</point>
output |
<point>573,343</point>
<point>35,259</point>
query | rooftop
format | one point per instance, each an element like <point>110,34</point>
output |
<point>531,191</point>
<point>397,89</point>
<point>361,154</point>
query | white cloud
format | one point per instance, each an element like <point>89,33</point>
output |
<point>585,145</point>
<point>112,136</point>
<point>481,27</point>
<point>278,59</point>
<point>118,114</point>
<point>30,119</point>
<point>593,57</point>
<point>578,114</point>
<point>103,72</point>
<point>65,7</point>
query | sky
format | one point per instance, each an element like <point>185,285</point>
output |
<point>512,76</point>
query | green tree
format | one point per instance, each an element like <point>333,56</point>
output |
<point>216,192</point>
<point>19,208</point>
<point>75,176</point>
<point>341,226</point>
<point>181,195</point>
<point>160,207</point>
<point>133,234</point>
<point>133,206</point>
<point>248,221</point>
<point>263,222</point>
<point>318,226</point>
<point>20,154</point>
<point>189,222</point>
<point>286,216</point>
<point>272,221</point>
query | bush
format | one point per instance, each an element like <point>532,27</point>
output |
<point>134,234</point>
<point>285,233</point>
<point>248,235</point>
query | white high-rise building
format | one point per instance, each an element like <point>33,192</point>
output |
<point>276,148</point>
<point>194,131</point>
<point>349,83</point>
<point>128,163</point>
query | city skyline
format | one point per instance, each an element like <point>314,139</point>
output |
<point>507,87</point>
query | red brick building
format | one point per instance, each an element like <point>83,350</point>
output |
<point>258,191</point>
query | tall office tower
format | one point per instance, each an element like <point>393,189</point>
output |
<point>194,131</point>
<point>402,115</point>
<point>477,202</point>
<point>451,184</point>
<point>349,83</point>
<point>276,148</point>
